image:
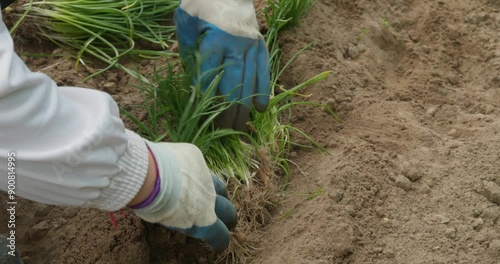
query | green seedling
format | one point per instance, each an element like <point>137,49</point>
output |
<point>363,33</point>
<point>286,215</point>
<point>314,194</point>
<point>385,22</point>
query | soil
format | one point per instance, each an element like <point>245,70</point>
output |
<point>413,171</point>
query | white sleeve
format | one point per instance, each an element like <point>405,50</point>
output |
<point>70,144</point>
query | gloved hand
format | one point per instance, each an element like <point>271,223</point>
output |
<point>231,41</point>
<point>190,199</point>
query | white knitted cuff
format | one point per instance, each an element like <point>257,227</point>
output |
<point>124,186</point>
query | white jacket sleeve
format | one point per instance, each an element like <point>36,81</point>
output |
<point>70,144</point>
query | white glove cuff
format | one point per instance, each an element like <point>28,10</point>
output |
<point>236,17</point>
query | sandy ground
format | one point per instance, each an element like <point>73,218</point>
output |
<point>413,175</point>
<point>414,171</point>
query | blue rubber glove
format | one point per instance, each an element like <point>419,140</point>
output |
<point>190,199</point>
<point>225,34</point>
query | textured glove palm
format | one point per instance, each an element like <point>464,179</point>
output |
<point>190,200</point>
<point>225,33</point>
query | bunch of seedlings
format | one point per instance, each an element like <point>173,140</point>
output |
<point>250,162</point>
<point>106,30</point>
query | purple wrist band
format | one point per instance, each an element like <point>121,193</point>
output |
<point>155,191</point>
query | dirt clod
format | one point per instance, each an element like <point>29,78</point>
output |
<point>453,133</point>
<point>491,214</point>
<point>478,223</point>
<point>451,232</point>
<point>403,183</point>
<point>414,36</point>
<point>453,32</point>
<point>436,219</point>
<point>336,195</point>
<point>353,52</point>
<point>431,111</point>
<point>495,247</point>
<point>452,79</point>
<point>491,191</point>
<point>389,253</point>
<point>343,242</point>
<point>411,171</point>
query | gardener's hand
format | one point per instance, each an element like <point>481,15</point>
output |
<point>231,41</point>
<point>190,199</point>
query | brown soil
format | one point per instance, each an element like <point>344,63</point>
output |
<point>417,86</point>
<point>413,174</point>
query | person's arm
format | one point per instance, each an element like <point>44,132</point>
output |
<point>71,147</point>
